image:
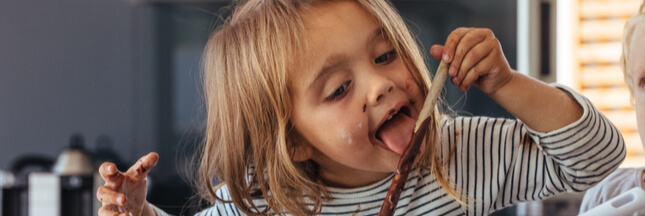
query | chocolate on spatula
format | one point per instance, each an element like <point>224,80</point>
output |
<point>412,150</point>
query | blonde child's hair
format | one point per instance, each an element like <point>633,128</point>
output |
<point>248,143</point>
<point>633,27</point>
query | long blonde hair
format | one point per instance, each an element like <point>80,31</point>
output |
<point>633,27</point>
<point>248,134</point>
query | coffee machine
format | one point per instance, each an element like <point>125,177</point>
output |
<point>63,195</point>
<point>37,185</point>
<point>13,196</point>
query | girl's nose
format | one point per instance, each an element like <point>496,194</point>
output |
<point>380,87</point>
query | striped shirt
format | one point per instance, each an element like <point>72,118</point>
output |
<point>496,162</point>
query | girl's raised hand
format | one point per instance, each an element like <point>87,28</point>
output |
<point>125,193</point>
<point>475,57</point>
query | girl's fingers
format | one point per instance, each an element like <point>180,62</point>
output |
<point>483,67</point>
<point>107,169</point>
<point>436,51</point>
<point>110,174</point>
<point>141,168</point>
<point>108,196</point>
<point>463,51</point>
<point>451,43</point>
<point>111,210</point>
<point>472,57</point>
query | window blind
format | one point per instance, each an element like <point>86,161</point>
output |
<point>597,48</point>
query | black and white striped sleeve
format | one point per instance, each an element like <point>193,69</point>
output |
<point>500,162</point>
<point>220,208</point>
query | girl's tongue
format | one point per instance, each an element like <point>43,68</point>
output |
<point>397,132</point>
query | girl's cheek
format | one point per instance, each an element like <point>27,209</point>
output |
<point>639,102</point>
<point>353,134</point>
<point>639,105</point>
<point>346,136</point>
<point>411,85</point>
<point>409,82</point>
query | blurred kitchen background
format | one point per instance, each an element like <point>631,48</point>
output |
<point>116,79</point>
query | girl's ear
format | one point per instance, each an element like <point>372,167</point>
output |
<point>301,149</point>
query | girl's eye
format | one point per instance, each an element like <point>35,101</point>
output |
<point>339,92</point>
<point>641,83</point>
<point>385,58</point>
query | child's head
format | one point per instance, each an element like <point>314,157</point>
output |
<point>633,65</point>
<point>299,96</point>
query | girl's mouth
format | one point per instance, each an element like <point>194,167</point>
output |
<point>397,130</point>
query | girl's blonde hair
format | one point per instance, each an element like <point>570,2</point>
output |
<point>248,136</point>
<point>633,27</point>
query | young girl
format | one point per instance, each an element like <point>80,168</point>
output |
<point>633,67</point>
<point>311,103</point>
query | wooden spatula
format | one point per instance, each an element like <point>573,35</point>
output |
<point>411,151</point>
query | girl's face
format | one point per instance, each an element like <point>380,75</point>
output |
<point>638,70</point>
<point>355,102</point>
